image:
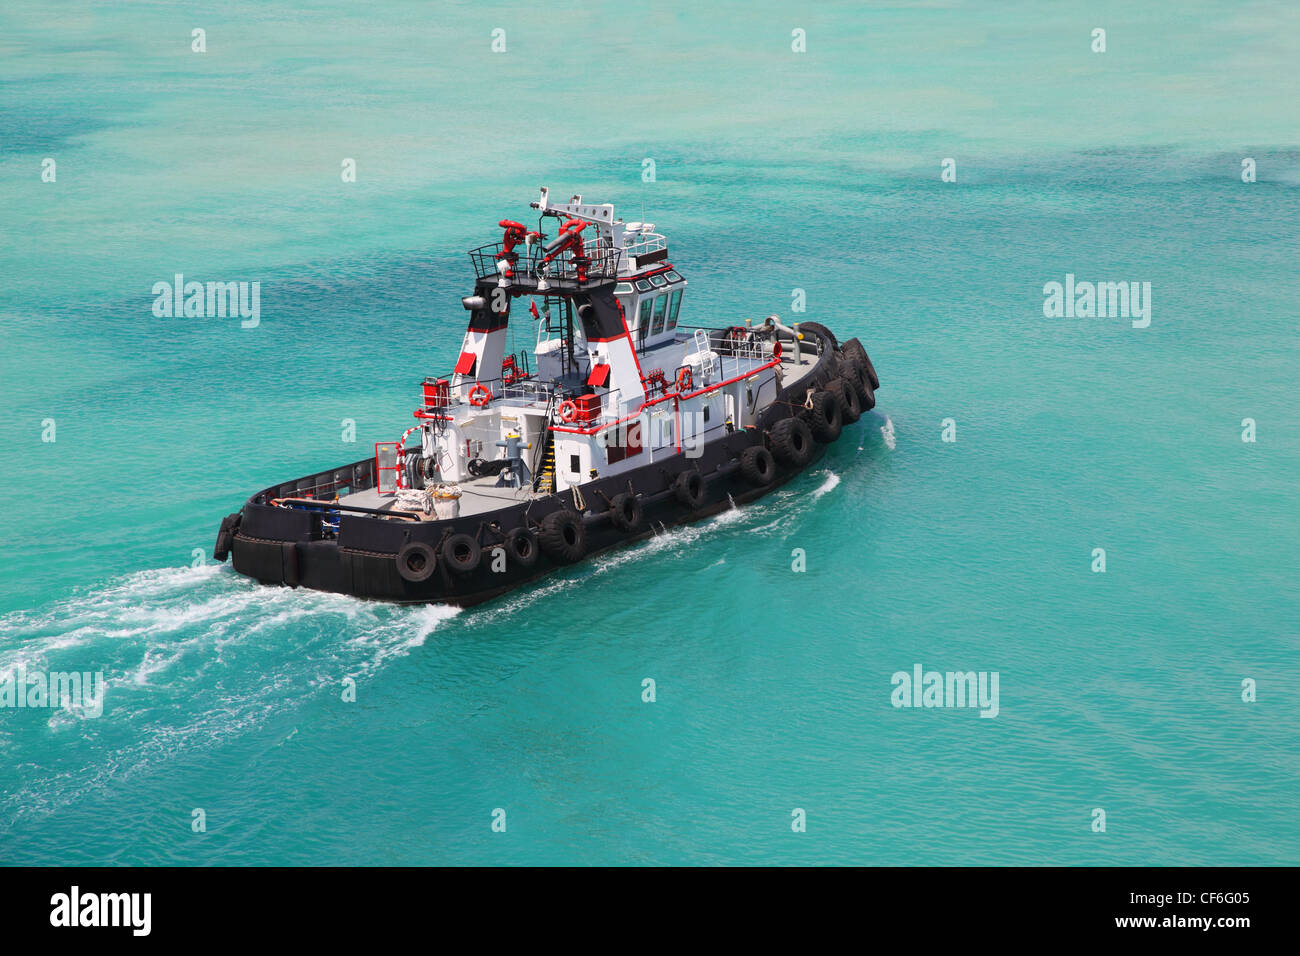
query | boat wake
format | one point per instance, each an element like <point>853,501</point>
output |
<point>773,514</point>
<point>190,657</point>
<point>826,487</point>
<point>193,657</point>
<point>887,433</point>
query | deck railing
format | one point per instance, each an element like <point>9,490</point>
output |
<point>325,485</point>
<point>648,243</point>
<point>602,262</point>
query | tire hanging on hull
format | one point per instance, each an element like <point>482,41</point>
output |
<point>822,331</point>
<point>792,442</point>
<point>416,562</point>
<point>226,536</point>
<point>564,537</point>
<point>824,417</point>
<point>625,511</point>
<point>521,547</point>
<point>757,465</point>
<point>461,553</point>
<point>855,376</point>
<point>854,352</point>
<point>691,488</point>
<point>847,395</point>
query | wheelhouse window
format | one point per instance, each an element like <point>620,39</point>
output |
<point>673,306</point>
<point>643,321</point>
<point>661,309</point>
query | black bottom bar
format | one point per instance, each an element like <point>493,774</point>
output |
<point>969,909</point>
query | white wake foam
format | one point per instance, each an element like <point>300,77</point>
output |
<point>190,657</point>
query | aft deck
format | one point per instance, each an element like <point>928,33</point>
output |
<point>477,496</point>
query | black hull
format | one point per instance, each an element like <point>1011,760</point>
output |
<point>282,546</point>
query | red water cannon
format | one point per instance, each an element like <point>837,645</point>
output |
<point>569,237</point>
<point>516,232</point>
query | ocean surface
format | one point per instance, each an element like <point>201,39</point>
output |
<point>774,171</point>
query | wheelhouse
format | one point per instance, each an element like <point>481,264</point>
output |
<point>653,305</point>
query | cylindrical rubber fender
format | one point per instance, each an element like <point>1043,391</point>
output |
<point>757,465</point>
<point>824,417</point>
<point>521,547</point>
<point>690,488</point>
<point>461,553</point>
<point>625,511</point>
<point>821,330</point>
<point>289,559</point>
<point>854,352</point>
<point>416,561</point>
<point>563,536</point>
<point>792,441</point>
<point>847,396</point>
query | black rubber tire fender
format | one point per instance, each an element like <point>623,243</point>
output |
<point>854,352</point>
<point>625,511</point>
<point>461,553</point>
<point>416,561</point>
<point>792,441</point>
<point>690,487</point>
<point>855,376</point>
<point>869,402</point>
<point>757,465</point>
<point>847,396</point>
<point>825,417</point>
<point>564,537</point>
<point>522,547</point>
<point>819,329</point>
<point>226,536</point>
<point>221,550</point>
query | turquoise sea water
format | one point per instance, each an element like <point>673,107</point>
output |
<point>774,171</point>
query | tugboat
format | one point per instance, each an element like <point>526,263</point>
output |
<point>622,422</point>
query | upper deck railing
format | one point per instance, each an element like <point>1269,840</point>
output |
<point>647,243</point>
<point>602,261</point>
<point>527,390</point>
